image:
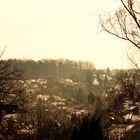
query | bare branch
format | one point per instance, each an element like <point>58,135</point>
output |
<point>124,25</point>
<point>105,29</point>
<point>131,12</point>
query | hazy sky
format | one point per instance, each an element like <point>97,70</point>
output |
<point>39,29</point>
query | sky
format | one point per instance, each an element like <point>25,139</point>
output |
<point>38,29</point>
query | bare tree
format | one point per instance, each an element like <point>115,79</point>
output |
<point>125,22</point>
<point>9,81</point>
<point>124,96</point>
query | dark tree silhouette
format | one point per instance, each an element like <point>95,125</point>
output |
<point>90,129</point>
<point>9,77</point>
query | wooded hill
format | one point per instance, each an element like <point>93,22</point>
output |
<point>49,68</point>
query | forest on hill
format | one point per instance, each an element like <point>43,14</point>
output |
<point>73,96</point>
<point>51,68</point>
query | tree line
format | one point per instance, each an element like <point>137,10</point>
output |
<point>50,68</point>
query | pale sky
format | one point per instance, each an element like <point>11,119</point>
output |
<point>38,29</point>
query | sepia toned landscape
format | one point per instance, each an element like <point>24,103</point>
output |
<point>69,70</point>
